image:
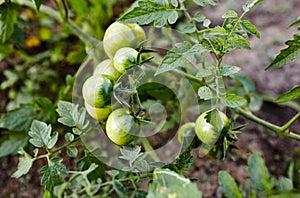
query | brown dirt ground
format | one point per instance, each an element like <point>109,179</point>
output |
<point>272,18</point>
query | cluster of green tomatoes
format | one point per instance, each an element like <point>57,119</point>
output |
<point>122,126</point>
<point>120,43</point>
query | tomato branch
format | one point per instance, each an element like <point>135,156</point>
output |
<point>281,131</point>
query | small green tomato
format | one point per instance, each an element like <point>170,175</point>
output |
<point>98,113</point>
<point>186,131</point>
<point>121,127</point>
<point>206,132</point>
<point>124,58</point>
<point>97,90</point>
<point>106,67</point>
<point>119,35</point>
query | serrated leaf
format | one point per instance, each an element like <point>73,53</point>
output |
<point>259,174</point>
<point>290,95</point>
<point>24,165</point>
<point>238,43</point>
<point>131,153</point>
<point>178,56</point>
<point>40,134</point>
<point>250,28</point>
<point>228,70</point>
<point>230,188</point>
<point>37,4</point>
<point>204,3</point>
<point>233,101</point>
<point>250,4</point>
<point>168,184</point>
<point>64,109</point>
<point>146,12</point>
<point>287,55</point>
<point>214,118</point>
<point>71,115</point>
<point>11,143</point>
<point>205,93</point>
<point>8,18</point>
<point>121,190</point>
<point>230,14</point>
<point>90,163</point>
<point>51,173</point>
<point>113,173</point>
<point>218,31</point>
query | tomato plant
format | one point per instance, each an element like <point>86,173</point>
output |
<point>136,103</point>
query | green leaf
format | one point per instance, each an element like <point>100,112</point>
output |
<point>249,27</point>
<point>285,185</point>
<point>20,119</point>
<point>40,135</point>
<point>295,22</point>
<point>131,153</point>
<point>230,14</point>
<point>87,162</point>
<point>259,175</point>
<point>188,29</point>
<point>72,151</point>
<point>8,19</point>
<point>205,93</point>
<point>12,142</point>
<point>37,4</point>
<point>199,17</point>
<point>288,55</point>
<point>230,188</point>
<point>179,56</point>
<point>80,7</point>
<point>228,70</point>
<point>71,115</point>
<point>24,165</point>
<point>69,137</point>
<point>214,118</point>
<point>121,190</point>
<point>51,173</point>
<point>167,184</point>
<point>290,95</point>
<point>174,3</point>
<point>204,3</point>
<point>250,4</point>
<point>150,11</point>
<point>233,101</point>
<point>238,43</point>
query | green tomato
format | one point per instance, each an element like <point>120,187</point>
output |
<point>97,90</point>
<point>124,58</point>
<point>106,67</point>
<point>98,113</point>
<point>120,35</point>
<point>207,133</point>
<point>186,131</point>
<point>121,127</point>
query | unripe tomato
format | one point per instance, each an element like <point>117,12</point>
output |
<point>120,35</point>
<point>124,58</point>
<point>106,67</point>
<point>121,127</point>
<point>207,133</point>
<point>98,113</point>
<point>96,91</point>
<point>186,131</point>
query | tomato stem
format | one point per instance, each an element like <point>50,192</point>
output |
<point>282,131</point>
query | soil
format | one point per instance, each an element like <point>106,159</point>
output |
<point>272,18</point>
